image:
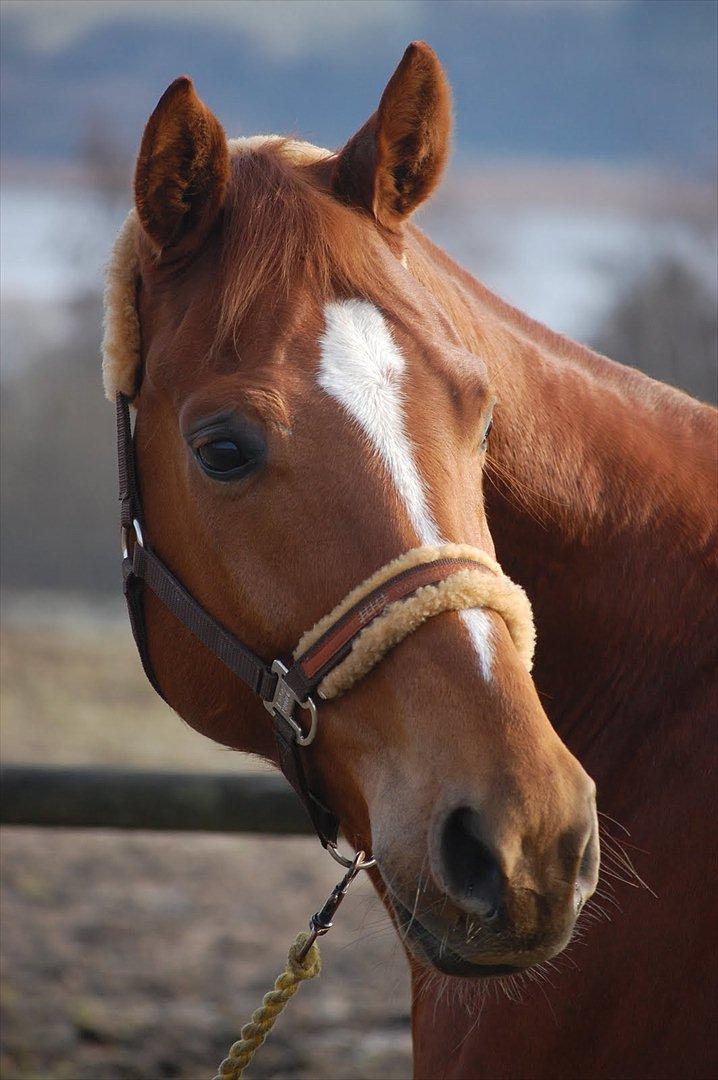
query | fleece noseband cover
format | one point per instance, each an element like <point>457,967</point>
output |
<point>375,616</point>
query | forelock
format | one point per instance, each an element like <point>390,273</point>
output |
<point>280,229</point>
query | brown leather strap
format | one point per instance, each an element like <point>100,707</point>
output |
<point>142,567</point>
<point>147,567</point>
<point>227,648</point>
<point>326,824</point>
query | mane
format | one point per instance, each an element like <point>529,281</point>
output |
<point>459,293</point>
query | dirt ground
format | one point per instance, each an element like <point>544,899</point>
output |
<point>137,956</point>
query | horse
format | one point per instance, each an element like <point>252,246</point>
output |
<point>319,389</point>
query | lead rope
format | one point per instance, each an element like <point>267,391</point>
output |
<point>303,963</point>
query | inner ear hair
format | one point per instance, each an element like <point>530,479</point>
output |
<point>397,158</point>
<point>182,170</point>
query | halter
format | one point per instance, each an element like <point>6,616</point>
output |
<point>340,649</point>
<point>343,646</point>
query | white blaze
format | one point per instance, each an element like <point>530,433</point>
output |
<point>362,368</point>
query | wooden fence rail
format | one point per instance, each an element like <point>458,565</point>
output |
<point>56,796</point>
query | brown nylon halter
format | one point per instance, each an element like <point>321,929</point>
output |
<point>284,689</point>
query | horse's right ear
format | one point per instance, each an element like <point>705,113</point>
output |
<point>182,170</point>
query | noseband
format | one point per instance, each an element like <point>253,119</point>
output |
<point>343,646</point>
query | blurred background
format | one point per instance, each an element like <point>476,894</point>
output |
<point>582,189</point>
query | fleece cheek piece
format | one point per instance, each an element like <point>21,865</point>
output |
<point>481,586</point>
<point>121,329</point>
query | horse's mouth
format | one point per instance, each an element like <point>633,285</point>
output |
<point>440,954</point>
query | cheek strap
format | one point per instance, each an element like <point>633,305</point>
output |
<point>348,642</point>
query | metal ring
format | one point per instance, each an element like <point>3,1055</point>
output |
<point>366,864</point>
<point>125,533</point>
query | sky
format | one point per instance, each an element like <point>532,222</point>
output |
<point>620,81</point>
<point>278,27</point>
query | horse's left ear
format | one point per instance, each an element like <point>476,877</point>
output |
<point>395,161</point>
<point>182,170</point>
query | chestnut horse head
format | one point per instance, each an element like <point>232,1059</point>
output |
<point>305,414</point>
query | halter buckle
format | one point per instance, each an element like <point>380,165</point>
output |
<point>283,703</point>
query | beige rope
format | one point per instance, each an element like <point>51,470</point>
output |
<point>285,987</point>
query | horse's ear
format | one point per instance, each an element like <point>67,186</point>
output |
<point>182,170</point>
<point>396,160</point>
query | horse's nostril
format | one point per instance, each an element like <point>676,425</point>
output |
<point>471,870</point>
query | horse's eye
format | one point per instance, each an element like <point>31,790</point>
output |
<point>227,447</point>
<point>487,432</point>
<point>225,459</point>
<point>222,455</point>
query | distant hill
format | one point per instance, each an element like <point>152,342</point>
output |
<point>612,80</point>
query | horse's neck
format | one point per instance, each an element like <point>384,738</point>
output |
<point>601,503</point>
